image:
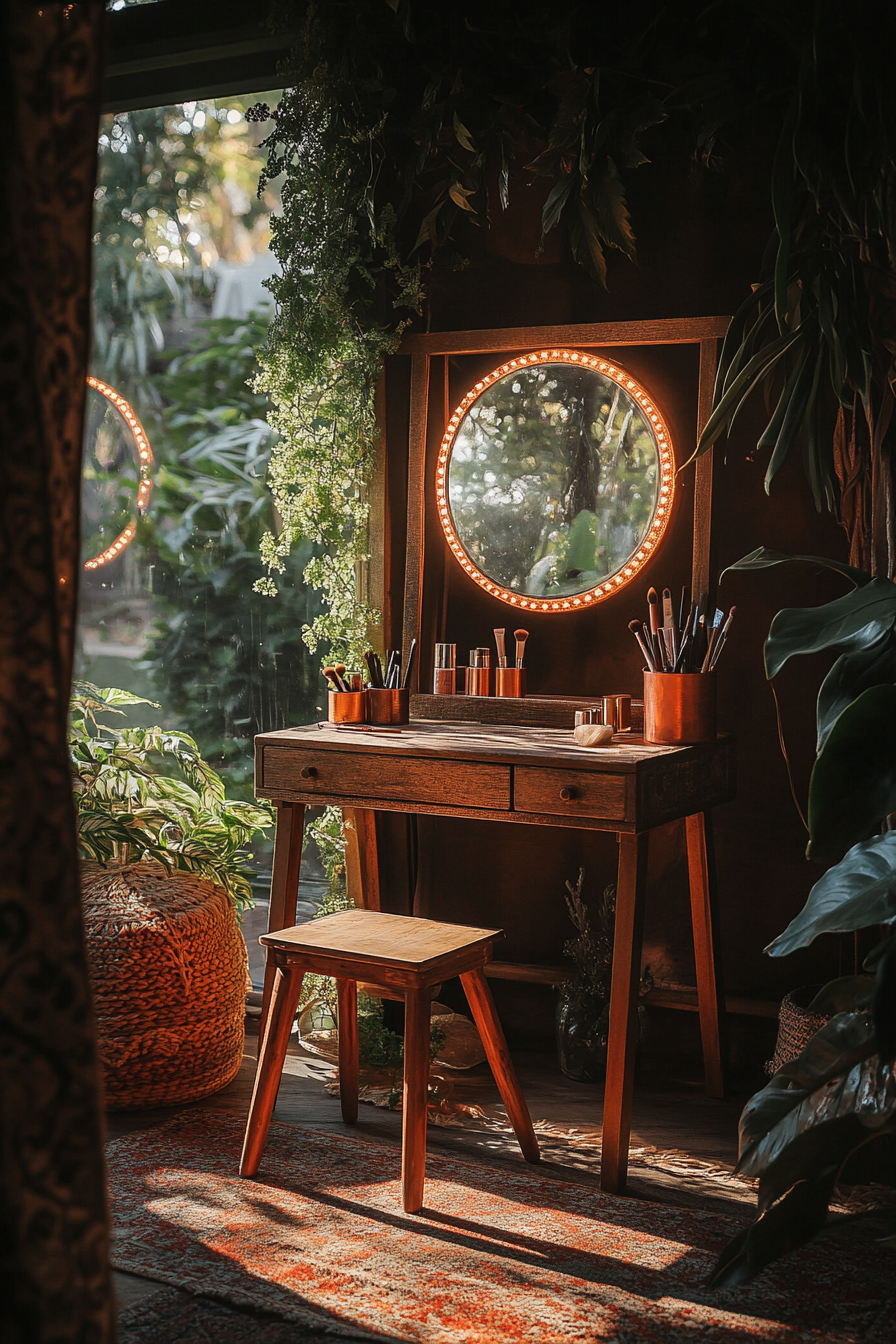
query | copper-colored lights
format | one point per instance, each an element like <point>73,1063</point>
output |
<point>632,564</point>
<point>144,454</point>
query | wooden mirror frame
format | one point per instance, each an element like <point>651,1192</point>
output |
<point>509,342</point>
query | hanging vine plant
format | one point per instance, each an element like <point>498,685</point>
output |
<point>386,141</point>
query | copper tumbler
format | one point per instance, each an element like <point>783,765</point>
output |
<point>679,707</point>
<point>510,682</point>
<point>477,680</point>
<point>388,706</point>
<point>347,706</point>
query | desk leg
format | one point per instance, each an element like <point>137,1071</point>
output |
<point>362,874</point>
<point>707,954</point>
<point>623,1037</point>
<point>284,886</point>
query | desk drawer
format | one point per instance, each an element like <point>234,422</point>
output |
<point>569,793</point>
<point>368,775</point>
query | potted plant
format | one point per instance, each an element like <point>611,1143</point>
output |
<point>167,871</point>
<point>583,1006</point>
<point>797,1134</point>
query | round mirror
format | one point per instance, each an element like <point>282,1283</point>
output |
<point>555,480</point>
<point>115,482</point>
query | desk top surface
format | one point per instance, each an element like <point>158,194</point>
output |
<point>490,742</point>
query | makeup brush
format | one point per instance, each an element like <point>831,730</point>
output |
<point>669,622</point>
<point>720,643</point>
<point>502,652</point>
<point>635,627</point>
<point>520,636</point>
<point>369,658</point>
<point>684,607</point>
<point>713,641</point>
<point>333,680</point>
<point>339,669</point>
<point>407,671</point>
<point>654,609</point>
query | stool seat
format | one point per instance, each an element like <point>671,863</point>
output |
<point>407,957</point>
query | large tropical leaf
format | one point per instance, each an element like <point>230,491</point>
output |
<point>766,557</point>
<point>851,675</point>
<point>795,1219</point>
<point>853,784</point>
<point>860,891</point>
<point>849,993</point>
<point>851,622</point>
<point>842,1042</point>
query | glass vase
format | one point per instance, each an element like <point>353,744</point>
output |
<point>582,1040</point>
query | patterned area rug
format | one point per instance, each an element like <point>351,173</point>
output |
<point>319,1238</point>
<point>174,1317</point>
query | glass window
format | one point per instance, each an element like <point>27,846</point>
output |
<point>167,609</point>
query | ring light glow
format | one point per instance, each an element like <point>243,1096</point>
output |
<point>629,569</point>
<point>144,490</point>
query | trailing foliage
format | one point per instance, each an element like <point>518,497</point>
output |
<point>797,1133</point>
<point>398,135</point>
<point>143,793</point>
<point>819,331</point>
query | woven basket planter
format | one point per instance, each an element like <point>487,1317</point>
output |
<point>796,1026</point>
<point>168,971</point>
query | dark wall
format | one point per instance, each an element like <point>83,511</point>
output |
<point>700,244</point>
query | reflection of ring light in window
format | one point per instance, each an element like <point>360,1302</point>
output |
<point>144,490</point>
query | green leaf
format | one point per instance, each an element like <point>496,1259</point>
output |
<point>611,211</point>
<point>553,206</point>
<point>459,196</point>
<point>464,138</point>
<point>843,1041</point>
<point>884,1009</point>
<point>850,993</point>
<point>586,244</point>
<point>792,1221</point>
<point>858,892</point>
<point>852,674</point>
<point>427,231</point>
<point>793,418</point>
<point>765,557</point>
<point>853,783</point>
<point>851,622</point>
<point>734,397</point>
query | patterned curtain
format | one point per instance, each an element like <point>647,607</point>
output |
<point>54,1275</point>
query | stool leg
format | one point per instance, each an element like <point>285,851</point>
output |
<point>416,1083</point>
<point>284,1001</point>
<point>347,1022</point>
<point>482,1006</point>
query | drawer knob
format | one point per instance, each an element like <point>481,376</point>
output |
<point>308,772</point>
<point>568,793</point>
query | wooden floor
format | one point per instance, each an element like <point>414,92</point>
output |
<point>671,1115</point>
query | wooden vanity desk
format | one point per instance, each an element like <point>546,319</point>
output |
<point>526,776</point>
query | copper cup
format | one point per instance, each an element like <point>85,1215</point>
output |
<point>388,706</point>
<point>478,680</point>
<point>510,682</point>
<point>617,711</point>
<point>347,706</point>
<point>679,707</point>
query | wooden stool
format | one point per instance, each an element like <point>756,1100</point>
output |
<point>404,955</point>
